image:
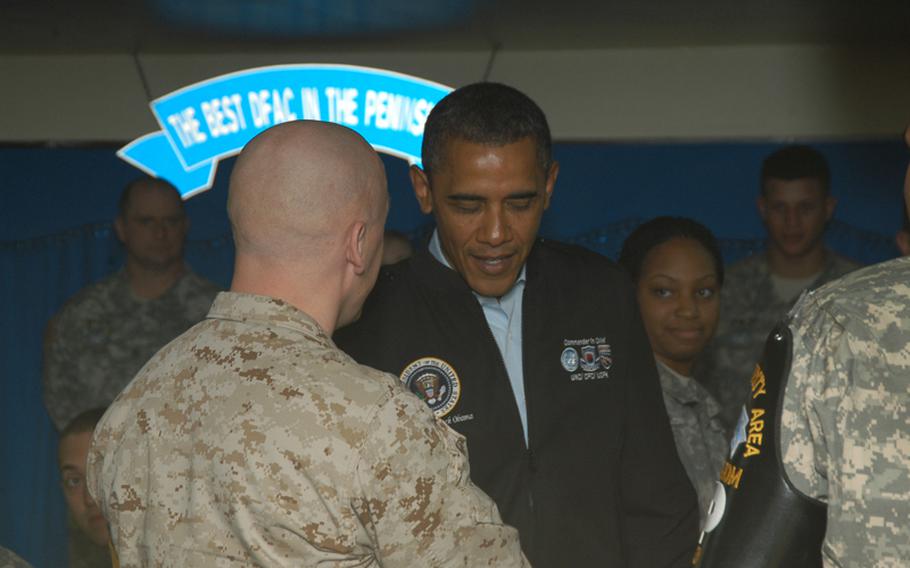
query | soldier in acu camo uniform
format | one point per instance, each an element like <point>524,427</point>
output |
<point>678,272</point>
<point>795,205</point>
<point>252,440</point>
<point>103,335</point>
<point>845,425</point>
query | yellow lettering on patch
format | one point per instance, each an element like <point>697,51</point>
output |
<point>731,475</point>
<point>754,438</point>
<point>758,382</point>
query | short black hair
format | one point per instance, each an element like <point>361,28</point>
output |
<point>84,422</point>
<point>484,113</point>
<point>124,203</point>
<point>795,162</point>
<point>659,230</point>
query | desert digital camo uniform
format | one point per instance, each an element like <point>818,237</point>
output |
<point>845,426</point>
<point>252,439</point>
<point>103,335</point>
<point>749,311</point>
<point>699,434</point>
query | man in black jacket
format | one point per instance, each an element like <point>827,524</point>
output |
<point>533,350</point>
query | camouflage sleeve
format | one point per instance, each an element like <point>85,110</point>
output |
<point>420,505</point>
<point>845,436</point>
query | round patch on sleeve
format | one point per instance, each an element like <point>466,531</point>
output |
<point>435,382</point>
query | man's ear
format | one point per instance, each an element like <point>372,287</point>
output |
<point>551,182</point>
<point>421,185</point>
<point>354,249</point>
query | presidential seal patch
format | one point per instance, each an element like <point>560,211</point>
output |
<point>435,382</point>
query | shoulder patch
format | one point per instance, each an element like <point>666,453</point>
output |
<point>435,382</point>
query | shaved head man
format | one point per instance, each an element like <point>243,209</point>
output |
<point>252,438</point>
<point>104,334</point>
<point>308,205</point>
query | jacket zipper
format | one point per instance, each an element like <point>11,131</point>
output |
<point>529,453</point>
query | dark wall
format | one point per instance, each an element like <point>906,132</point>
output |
<point>48,190</point>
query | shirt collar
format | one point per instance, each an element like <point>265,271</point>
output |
<point>686,390</point>
<point>680,387</point>
<point>269,311</point>
<point>435,248</point>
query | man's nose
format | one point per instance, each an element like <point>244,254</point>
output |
<point>159,228</point>
<point>791,217</point>
<point>495,229</point>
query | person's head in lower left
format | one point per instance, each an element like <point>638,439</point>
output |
<point>72,452</point>
<point>487,178</point>
<point>678,272</point>
<point>307,204</point>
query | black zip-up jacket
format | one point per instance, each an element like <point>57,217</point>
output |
<point>600,483</point>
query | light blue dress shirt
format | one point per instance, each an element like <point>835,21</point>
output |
<point>503,315</point>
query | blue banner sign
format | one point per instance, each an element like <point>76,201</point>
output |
<point>211,120</point>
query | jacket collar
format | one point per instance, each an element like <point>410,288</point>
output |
<point>267,311</point>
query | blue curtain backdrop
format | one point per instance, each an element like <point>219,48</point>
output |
<point>55,238</point>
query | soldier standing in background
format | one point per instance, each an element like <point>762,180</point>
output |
<point>795,205</point>
<point>103,335</point>
<point>678,272</point>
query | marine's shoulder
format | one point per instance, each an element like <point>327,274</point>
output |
<point>267,366</point>
<point>308,361</point>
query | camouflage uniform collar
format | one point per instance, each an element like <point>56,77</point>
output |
<point>680,387</point>
<point>267,311</point>
<point>686,390</point>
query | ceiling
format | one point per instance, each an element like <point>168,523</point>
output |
<point>206,26</point>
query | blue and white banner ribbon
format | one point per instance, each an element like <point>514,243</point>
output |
<point>213,119</point>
